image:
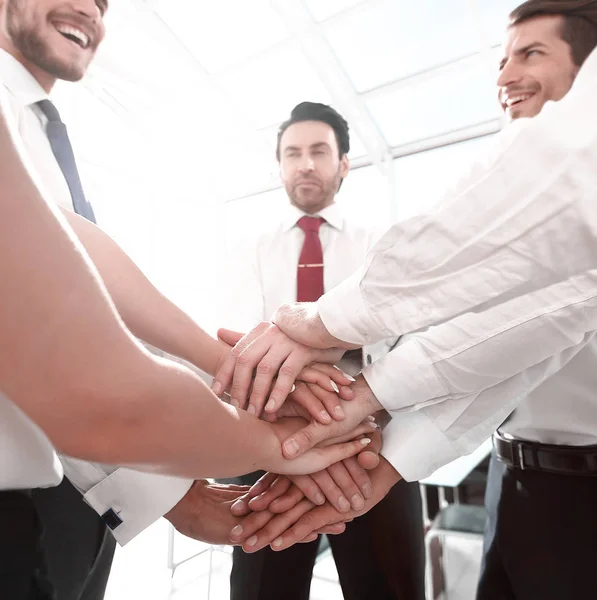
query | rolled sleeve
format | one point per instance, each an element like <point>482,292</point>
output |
<point>137,499</point>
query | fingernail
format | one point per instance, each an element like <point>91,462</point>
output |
<point>291,447</point>
<point>334,386</point>
<point>325,416</point>
<point>216,388</point>
<point>369,418</point>
<point>349,377</point>
<point>367,490</point>
<point>373,425</point>
<point>270,406</point>
<point>293,388</point>
<point>338,411</point>
<point>237,531</point>
<point>252,410</point>
<point>239,504</point>
<point>277,542</point>
<point>251,541</point>
<point>319,498</point>
<point>344,504</point>
<point>365,441</point>
<point>357,502</point>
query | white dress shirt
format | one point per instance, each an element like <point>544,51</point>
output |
<point>523,262</point>
<point>138,498</point>
<point>266,274</point>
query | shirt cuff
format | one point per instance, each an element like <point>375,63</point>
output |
<point>405,379</point>
<point>415,447</point>
<point>136,499</point>
<point>345,314</point>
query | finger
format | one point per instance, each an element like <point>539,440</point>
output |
<point>321,458</point>
<point>270,364</point>
<point>224,377</point>
<point>240,508</point>
<point>293,364</point>
<point>305,398</point>
<point>249,525</point>
<point>360,477</point>
<point>262,484</point>
<point>287,501</point>
<point>333,529</point>
<point>230,337</point>
<point>349,487</point>
<point>264,534</point>
<point>362,429</point>
<point>333,372</point>
<point>277,489</point>
<point>248,359</point>
<point>306,524</point>
<point>309,538</point>
<point>330,400</point>
<point>332,490</point>
<point>307,485</point>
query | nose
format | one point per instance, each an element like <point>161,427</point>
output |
<point>306,163</point>
<point>510,74</point>
<point>88,9</point>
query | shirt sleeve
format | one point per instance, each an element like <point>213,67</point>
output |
<point>449,388</point>
<point>137,498</point>
<point>524,216</point>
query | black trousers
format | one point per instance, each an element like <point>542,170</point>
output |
<point>23,573</point>
<point>78,546</point>
<point>540,536</point>
<point>380,556</point>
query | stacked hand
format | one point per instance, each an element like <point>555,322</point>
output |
<point>269,371</point>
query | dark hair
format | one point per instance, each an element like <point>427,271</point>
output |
<point>314,111</point>
<point>579,28</point>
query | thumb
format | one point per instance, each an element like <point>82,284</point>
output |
<point>228,336</point>
<point>304,439</point>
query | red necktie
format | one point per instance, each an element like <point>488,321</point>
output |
<point>309,277</point>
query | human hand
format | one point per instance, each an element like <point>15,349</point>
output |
<point>338,483</point>
<point>328,452</point>
<point>281,531</point>
<point>363,405</point>
<point>268,352</point>
<point>301,322</point>
<point>204,512</point>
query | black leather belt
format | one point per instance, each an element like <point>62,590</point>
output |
<point>549,458</point>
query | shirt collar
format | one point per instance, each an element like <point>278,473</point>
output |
<point>19,82</point>
<point>332,214</point>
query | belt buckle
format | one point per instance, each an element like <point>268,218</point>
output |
<point>520,452</point>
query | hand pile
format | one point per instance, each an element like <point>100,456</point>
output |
<point>321,415</point>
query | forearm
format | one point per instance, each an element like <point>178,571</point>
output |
<point>147,313</point>
<point>527,217</point>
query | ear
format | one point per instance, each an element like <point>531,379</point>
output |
<point>344,166</point>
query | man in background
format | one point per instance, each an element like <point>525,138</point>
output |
<point>541,494</point>
<point>312,250</point>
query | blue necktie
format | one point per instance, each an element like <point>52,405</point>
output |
<point>63,151</point>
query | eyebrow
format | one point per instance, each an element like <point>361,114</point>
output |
<point>524,50</point>
<point>311,147</point>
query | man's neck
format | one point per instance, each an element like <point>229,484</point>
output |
<point>44,79</point>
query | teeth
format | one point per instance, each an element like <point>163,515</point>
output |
<point>516,99</point>
<point>76,33</point>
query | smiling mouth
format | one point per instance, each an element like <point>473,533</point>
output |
<point>517,99</point>
<point>74,35</point>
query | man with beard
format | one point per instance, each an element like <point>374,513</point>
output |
<point>42,41</point>
<point>541,494</point>
<point>312,250</point>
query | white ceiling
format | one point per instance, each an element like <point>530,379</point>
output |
<point>191,87</point>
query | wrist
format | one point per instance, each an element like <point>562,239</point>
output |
<point>365,398</point>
